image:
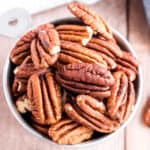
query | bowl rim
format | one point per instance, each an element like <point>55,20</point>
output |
<point>121,39</point>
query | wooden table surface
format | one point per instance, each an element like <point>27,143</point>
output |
<point>127,16</point>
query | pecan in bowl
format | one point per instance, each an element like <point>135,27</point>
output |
<point>73,81</point>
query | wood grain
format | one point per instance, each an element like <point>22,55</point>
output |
<point>138,135</point>
<point>12,134</point>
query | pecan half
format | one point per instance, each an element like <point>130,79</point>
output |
<point>41,58</point>
<point>23,104</point>
<point>91,18</point>
<point>45,96</point>
<point>127,107</point>
<point>146,115</point>
<point>90,112</point>
<point>22,48</point>
<point>82,53</point>
<point>67,131</point>
<point>41,128</point>
<point>85,78</point>
<point>107,47</point>
<point>27,68</point>
<point>75,33</point>
<point>128,64</point>
<point>50,41</point>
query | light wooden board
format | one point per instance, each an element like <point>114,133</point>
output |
<point>12,134</point>
<point>138,135</point>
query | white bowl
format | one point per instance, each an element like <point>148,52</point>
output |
<point>7,79</point>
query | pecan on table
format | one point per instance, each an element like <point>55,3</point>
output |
<point>45,96</point>
<point>128,64</point>
<point>75,33</point>
<point>90,18</point>
<point>90,112</point>
<point>79,53</point>
<point>86,78</point>
<point>67,131</point>
<point>122,98</point>
<point>23,104</point>
<point>146,115</point>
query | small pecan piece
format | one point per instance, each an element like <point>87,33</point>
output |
<point>82,53</point>
<point>45,96</point>
<point>90,112</point>
<point>22,48</point>
<point>146,115</point>
<point>41,58</point>
<point>91,18</point>
<point>19,86</point>
<point>50,41</point>
<point>85,78</point>
<point>23,104</point>
<point>128,64</point>
<point>67,131</point>
<point>75,33</point>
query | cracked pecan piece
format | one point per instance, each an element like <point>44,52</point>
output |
<point>75,33</point>
<point>85,78</point>
<point>128,64</point>
<point>23,104</point>
<point>67,131</point>
<point>90,18</point>
<point>50,41</point>
<point>146,114</point>
<point>91,113</point>
<point>45,96</point>
<point>81,53</point>
<point>19,86</point>
<point>41,58</point>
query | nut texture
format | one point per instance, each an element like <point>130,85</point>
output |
<point>90,18</point>
<point>67,131</point>
<point>45,96</point>
<point>90,112</point>
<point>85,78</point>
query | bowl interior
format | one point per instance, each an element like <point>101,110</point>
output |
<point>23,119</point>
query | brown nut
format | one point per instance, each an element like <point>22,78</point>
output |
<point>45,96</point>
<point>82,53</point>
<point>128,64</point>
<point>90,112</point>
<point>41,58</point>
<point>23,104</point>
<point>50,41</point>
<point>85,78</point>
<point>22,48</point>
<point>146,115</point>
<point>19,86</point>
<point>27,68</point>
<point>91,18</point>
<point>118,93</point>
<point>67,131</point>
<point>75,33</point>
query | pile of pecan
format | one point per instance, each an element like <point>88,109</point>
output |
<point>73,80</point>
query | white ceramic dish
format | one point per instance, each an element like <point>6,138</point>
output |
<point>7,76</point>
